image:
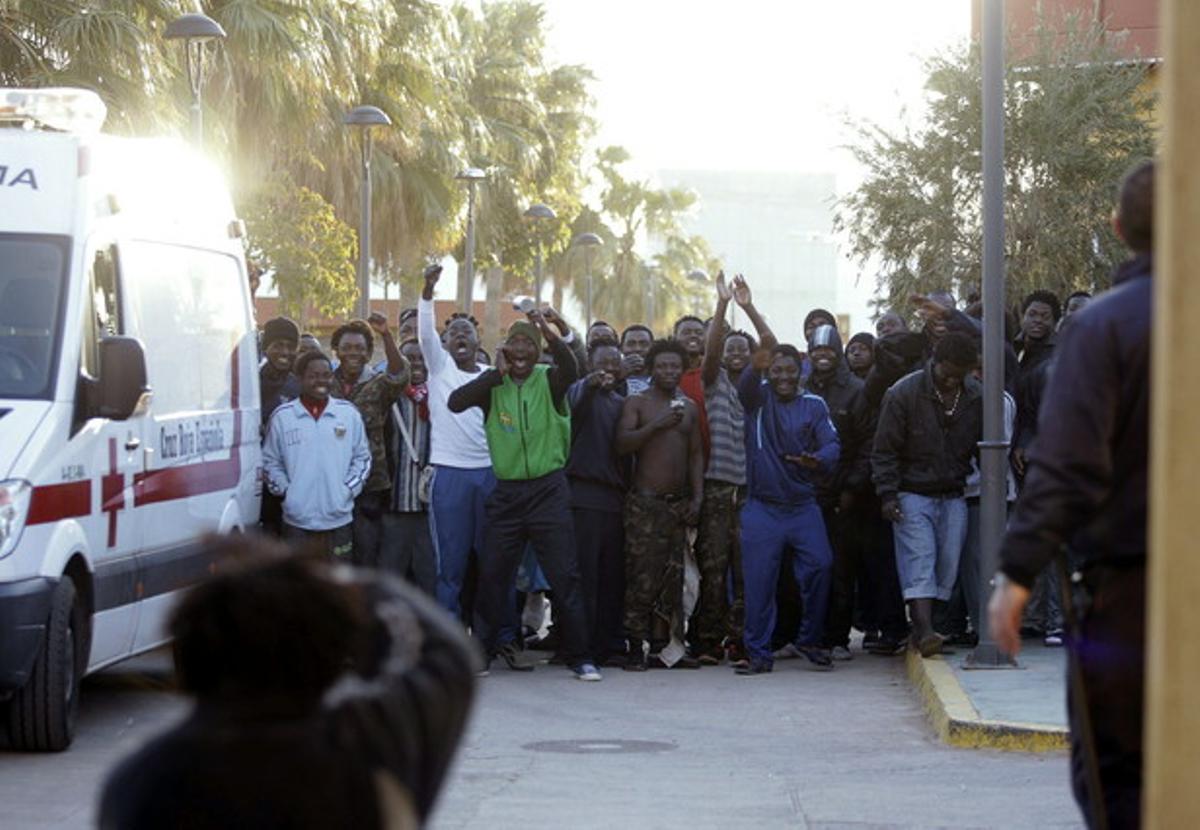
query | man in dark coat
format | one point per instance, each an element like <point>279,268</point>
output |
<point>1086,486</point>
<point>325,697</point>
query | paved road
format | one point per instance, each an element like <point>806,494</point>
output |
<point>848,749</point>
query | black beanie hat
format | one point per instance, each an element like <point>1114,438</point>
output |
<point>864,337</point>
<point>280,328</point>
<point>817,312</point>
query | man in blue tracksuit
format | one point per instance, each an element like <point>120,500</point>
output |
<point>790,444</point>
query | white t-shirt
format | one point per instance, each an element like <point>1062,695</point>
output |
<point>456,440</point>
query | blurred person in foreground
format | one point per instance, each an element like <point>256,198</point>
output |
<point>325,697</point>
<point>1086,487</point>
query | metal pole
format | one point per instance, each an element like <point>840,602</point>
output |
<point>364,231</point>
<point>587,264</point>
<point>466,285</point>
<point>993,449</point>
<point>195,68</point>
<point>537,285</point>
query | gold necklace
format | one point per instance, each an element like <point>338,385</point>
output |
<point>953,407</point>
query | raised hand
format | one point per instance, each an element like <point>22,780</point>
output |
<point>378,323</point>
<point>433,273</point>
<point>724,294</point>
<point>741,291</point>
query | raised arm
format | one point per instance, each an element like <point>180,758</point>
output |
<point>750,384</point>
<point>397,366</point>
<point>404,705</point>
<point>565,370</point>
<point>743,297</point>
<point>430,341</point>
<point>714,343</point>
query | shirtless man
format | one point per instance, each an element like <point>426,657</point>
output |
<point>661,428</point>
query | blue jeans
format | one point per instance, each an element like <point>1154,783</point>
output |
<point>768,532</point>
<point>929,542</point>
<point>459,524</point>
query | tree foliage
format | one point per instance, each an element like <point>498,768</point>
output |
<point>1076,118</point>
<point>466,85</point>
<point>297,235</point>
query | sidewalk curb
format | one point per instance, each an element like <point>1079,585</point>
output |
<point>956,721</point>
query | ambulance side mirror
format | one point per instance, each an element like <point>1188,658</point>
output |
<point>122,377</point>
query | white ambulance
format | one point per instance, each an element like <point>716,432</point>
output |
<point>128,396</point>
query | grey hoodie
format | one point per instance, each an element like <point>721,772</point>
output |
<point>317,465</point>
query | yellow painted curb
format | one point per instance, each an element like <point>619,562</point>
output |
<point>957,722</point>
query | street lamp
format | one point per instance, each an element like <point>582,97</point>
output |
<point>536,214</point>
<point>195,30</point>
<point>466,276</point>
<point>700,277</point>
<point>587,241</point>
<point>365,117</point>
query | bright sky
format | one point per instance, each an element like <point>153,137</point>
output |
<point>756,84</point>
<point>752,85</point>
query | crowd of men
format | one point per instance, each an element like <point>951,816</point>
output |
<point>706,497</point>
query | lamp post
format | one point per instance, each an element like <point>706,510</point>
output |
<point>466,274</point>
<point>700,277</point>
<point>536,214</point>
<point>365,117</point>
<point>651,285</point>
<point>195,30</point>
<point>587,241</point>
<point>993,449</point>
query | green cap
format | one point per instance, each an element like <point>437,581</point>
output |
<point>524,328</point>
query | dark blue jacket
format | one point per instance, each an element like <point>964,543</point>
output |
<point>599,476</point>
<point>1086,484</point>
<point>776,428</point>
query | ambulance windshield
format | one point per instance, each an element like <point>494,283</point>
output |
<point>32,273</point>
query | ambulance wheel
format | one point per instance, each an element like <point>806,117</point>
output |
<point>41,715</point>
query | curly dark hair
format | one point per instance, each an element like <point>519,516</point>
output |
<point>740,333</point>
<point>789,351</point>
<point>665,347</point>
<point>301,364</point>
<point>636,327</point>
<point>957,348</point>
<point>1043,296</point>
<point>687,318</point>
<point>271,625</point>
<point>353,327</point>
<point>601,342</point>
<point>461,315</point>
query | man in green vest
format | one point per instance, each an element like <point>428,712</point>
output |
<point>528,425</point>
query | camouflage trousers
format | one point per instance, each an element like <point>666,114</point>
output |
<point>655,536</point>
<point>718,557</point>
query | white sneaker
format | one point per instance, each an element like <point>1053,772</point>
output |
<point>586,671</point>
<point>841,653</point>
<point>788,652</point>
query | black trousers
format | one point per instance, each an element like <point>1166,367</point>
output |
<point>884,601</point>
<point>535,512</point>
<point>1110,647</point>
<point>600,550</point>
<point>369,508</point>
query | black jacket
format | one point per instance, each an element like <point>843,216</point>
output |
<point>918,448</point>
<point>843,394</point>
<point>373,754</point>
<point>1032,376</point>
<point>1086,483</point>
<point>896,355</point>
